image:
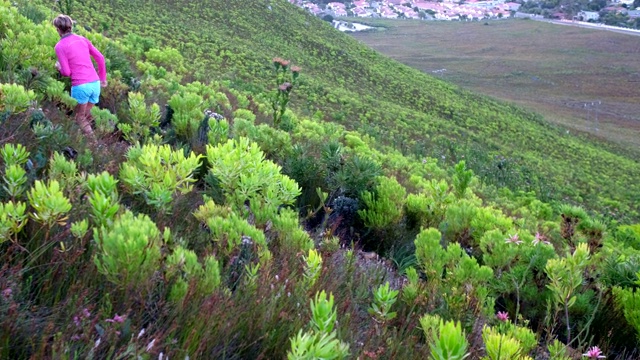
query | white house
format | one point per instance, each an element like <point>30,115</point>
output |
<point>588,15</point>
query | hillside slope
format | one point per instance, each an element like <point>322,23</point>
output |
<point>361,89</point>
<point>211,230</point>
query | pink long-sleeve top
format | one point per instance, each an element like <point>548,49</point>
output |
<point>74,54</point>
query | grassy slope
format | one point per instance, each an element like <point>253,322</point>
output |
<point>549,68</point>
<point>367,91</point>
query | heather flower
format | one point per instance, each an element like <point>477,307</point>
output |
<point>594,352</point>
<point>539,238</point>
<point>6,293</point>
<point>502,316</point>
<point>86,313</point>
<point>76,320</point>
<point>116,319</point>
<point>514,239</point>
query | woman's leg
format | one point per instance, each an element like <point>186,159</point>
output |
<point>82,119</point>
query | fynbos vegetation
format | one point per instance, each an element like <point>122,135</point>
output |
<point>216,218</point>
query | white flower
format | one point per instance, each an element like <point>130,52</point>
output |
<point>141,333</point>
<point>150,346</point>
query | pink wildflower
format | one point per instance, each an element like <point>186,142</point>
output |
<point>86,313</point>
<point>540,239</point>
<point>295,69</point>
<point>76,320</point>
<point>6,293</point>
<point>285,87</point>
<point>594,352</point>
<point>502,316</point>
<point>116,319</point>
<point>514,239</point>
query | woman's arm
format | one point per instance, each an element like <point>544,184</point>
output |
<point>63,61</point>
<point>99,58</point>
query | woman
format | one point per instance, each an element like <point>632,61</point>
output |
<point>74,54</point>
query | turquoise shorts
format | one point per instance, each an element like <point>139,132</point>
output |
<point>84,93</point>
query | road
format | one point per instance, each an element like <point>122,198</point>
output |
<point>588,25</point>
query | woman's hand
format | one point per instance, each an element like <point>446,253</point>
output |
<point>103,83</point>
<point>58,65</point>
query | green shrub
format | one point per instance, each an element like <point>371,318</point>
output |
<point>430,254</point>
<point>129,251</point>
<point>499,346</point>
<point>565,278</point>
<point>14,154</point>
<point>157,173</point>
<point>449,343</point>
<point>291,235</point>
<point>461,179</point>
<point>106,122</point>
<point>141,119</point>
<point>218,131</point>
<point>430,325</point>
<point>458,219</point>
<point>49,203</point>
<point>628,300</point>
<point>320,342</point>
<point>15,178</point>
<point>231,231</point>
<point>418,207</point>
<point>80,228</point>
<point>103,198</point>
<point>183,269</point>
<point>14,98</point>
<point>12,219</point>
<point>629,235</point>
<point>312,267</point>
<point>245,176</point>
<point>66,173</point>
<point>384,206</point>
<point>188,112</point>
<point>55,91</point>
<point>558,351</point>
<point>383,300</point>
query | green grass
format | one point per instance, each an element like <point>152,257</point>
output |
<point>550,69</point>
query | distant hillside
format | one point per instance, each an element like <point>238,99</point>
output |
<point>361,89</point>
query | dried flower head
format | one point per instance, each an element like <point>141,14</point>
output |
<point>280,62</point>
<point>285,87</point>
